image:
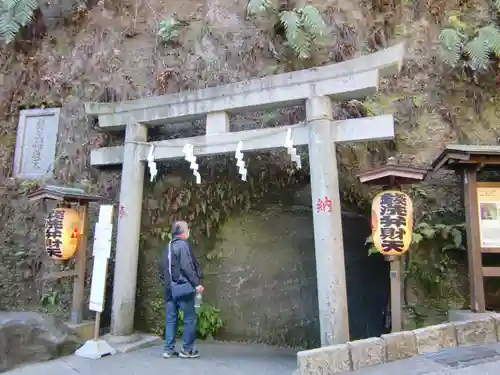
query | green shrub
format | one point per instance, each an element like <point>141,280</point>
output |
<point>208,322</point>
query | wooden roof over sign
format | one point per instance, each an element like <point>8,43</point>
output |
<point>392,174</point>
<point>459,156</point>
<point>64,194</point>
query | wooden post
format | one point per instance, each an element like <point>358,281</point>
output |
<point>97,326</point>
<point>396,279</point>
<point>396,294</point>
<point>477,300</point>
<point>80,267</point>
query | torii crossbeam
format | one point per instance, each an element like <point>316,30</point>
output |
<point>316,88</point>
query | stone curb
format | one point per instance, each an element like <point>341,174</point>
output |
<point>373,351</point>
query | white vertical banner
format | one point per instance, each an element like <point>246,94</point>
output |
<point>98,348</point>
<point>101,252</point>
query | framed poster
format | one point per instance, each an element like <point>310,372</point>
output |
<point>488,199</point>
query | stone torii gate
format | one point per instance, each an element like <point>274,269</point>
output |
<point>354,79</point>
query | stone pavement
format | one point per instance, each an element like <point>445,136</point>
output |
<point>474,360</point>
<point>237,359</point>
<point>216,359</point>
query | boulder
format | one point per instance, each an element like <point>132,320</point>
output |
<point>27,337</point>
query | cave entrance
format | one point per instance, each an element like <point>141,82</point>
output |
<point>263,277</point>
<point>260,268</point>
<point>315,88</point>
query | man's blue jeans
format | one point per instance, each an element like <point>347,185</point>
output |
<point>171,312</point>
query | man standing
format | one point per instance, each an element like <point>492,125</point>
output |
<point>180,267</point>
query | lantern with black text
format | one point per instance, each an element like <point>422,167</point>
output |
<point>62,232</point>
<point>392,222</point>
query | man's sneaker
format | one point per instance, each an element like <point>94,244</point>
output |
<point>170,354</point>
<point>194,353</point>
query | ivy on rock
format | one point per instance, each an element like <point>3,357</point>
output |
<point>206,206</point>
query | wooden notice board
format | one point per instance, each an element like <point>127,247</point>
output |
<point>483,232</point>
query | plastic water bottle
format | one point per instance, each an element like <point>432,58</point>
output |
<point>198,299</point>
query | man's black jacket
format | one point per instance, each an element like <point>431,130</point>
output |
<point>185,268</point>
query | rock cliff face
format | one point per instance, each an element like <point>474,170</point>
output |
<point>264,280</point>
<point>110,52</point>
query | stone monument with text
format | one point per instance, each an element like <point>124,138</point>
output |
<point>36,143</point>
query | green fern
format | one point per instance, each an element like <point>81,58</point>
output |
<point>479,49</point>
<point>15,14</point>
<point>478,52</point>
<point>312,21</point>
<point>258,6</point>
<point>168,30</point>
<point>295,35</point>
<point>491,36</point>
<point>496,5</point>
<point>303,26</point>
<point>451,44</point>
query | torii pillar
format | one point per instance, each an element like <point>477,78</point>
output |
<point>128,235</point>
<point>328,240</point>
